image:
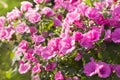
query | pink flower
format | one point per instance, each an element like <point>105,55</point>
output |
<point>93,35</point>
<point>107,35</point>
<point>99,5</point>
<point>75,78</point>
<point>36,68</point>
<point>58,3</point>
<point>50,66</point>
<point>79,24</point>
<point>72,1</point>
<point>10,31</point>
<point>68,78</point>
<point>47,54</point>
<point>115,13</point>
<point>13,15</point>
<point>113,67</point>
<point>24,68</point>
<point>78,36</point>
<point>59,76</point>
<point>90,37</point>
<point>86,42</point>
<point>78,57</point>
<point>71,17</point>
<point>25,5</point>
<point>66,45</point>
<point>23,46</point>
<point>32,30</point>
<point>36,77</point>
<point>117,69</point>
<point>92,13</point>
<point>104,70</point>
<point>38,39</point>
<point>57,22</point>
<point>21,28</point>
<point>38,49</point>
<point>47,11</point>
<point>53,44</point>
<point>33,16</point>
<point>2,21</point>
<point>6,32</point>
<point>90,68</point>
<point>29,55</point>
<point>3,34</point>
<point>82,9</point>
<point>115,35</point>
<point>38,1</point>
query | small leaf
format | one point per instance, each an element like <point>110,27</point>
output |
<point>9,74</point>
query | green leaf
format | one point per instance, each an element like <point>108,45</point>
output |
<point>9,74</point>
<point>89,2</point>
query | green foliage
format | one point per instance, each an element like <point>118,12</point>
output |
<point>8,5</point>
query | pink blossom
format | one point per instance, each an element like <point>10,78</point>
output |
<point>38,49</point>
<point>71,17</point>
<point>78,36</point>
<point>6,32</point>
<point>13,15</point>
<point>92,13</point>
<point>36,77</point>
<point>36,68</point>
<point>32,30</point>
<point>38,1</point>
<point>90,68</point>
<point>24,68</point>
<point>21,28</point>
<point>57,22</point>
<point>47,54</point>
<point>60,17</point>
<point>79,24</point>
<point>2,21</point>
<point>93,35</point>
<point>38,39</point>
<point>107,34</point>
<point>115,37</point>
<point>75,78</point>
<point>117,69</point>
<point>86,42</point>
<point>113,67</point>
<point>66,45</point>
<point>29,55</point>
<point>59,76</point>
<point>47,11</point>
<point>3,34</point>
<point>33,16</point>
<point>68,78</point>
<point>53,44</point>
<point>58,3</point>
<point>115,13</point>
<point>78,57</point>
<point>23,46</point>
<point>82,9</point>
<point>25,5</point>
<point>50,66</point>
<point>10,31</point>
<point>99,5</point>
<point>90,37</point>
<point>104,70</point>
<point>72,1</point>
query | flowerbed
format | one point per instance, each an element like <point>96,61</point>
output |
<point>64,39</point>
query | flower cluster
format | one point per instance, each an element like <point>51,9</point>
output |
<point>49,34</point>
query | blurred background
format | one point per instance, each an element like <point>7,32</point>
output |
<point>8,5</point>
